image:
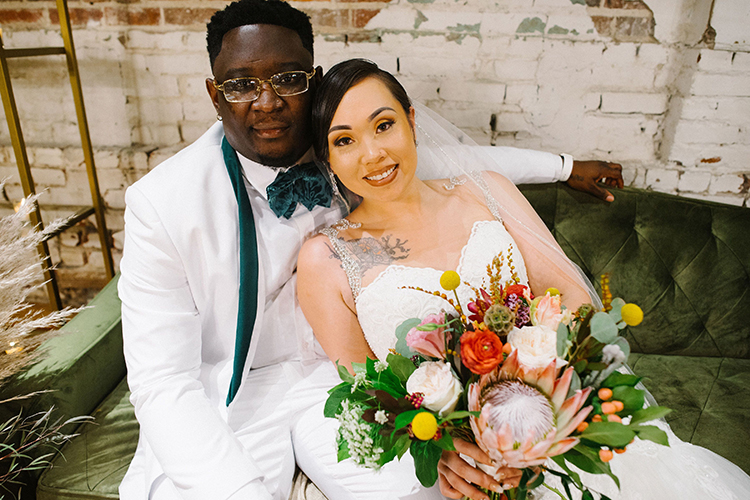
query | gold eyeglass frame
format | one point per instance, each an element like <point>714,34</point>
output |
<point>220,86</point>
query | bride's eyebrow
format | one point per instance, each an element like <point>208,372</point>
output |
<point>369,119</point>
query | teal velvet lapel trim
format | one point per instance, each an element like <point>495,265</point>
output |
<point>248,303</point>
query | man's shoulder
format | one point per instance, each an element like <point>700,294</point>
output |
<point>188,165</point>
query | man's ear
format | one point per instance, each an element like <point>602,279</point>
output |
<point>318,77</point>
<point>213,93</point>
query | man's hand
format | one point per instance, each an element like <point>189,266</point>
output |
<point>586,174</point>
<point>457,477</point>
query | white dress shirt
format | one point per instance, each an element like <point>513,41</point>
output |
<point>285,333</point>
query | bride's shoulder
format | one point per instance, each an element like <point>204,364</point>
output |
<point>316,256</point>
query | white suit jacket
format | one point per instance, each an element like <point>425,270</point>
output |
<point>180,290</point>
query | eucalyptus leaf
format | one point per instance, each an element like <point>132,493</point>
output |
<point>575,384</point>
<point>401,332</point>
<point>624,346</point>
<point>603,328</point>
<point>615,313</point>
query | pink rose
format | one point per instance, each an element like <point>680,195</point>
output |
<point>546,311</point>
<point>429,343</point>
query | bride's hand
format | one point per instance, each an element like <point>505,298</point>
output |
<point>457,478</point>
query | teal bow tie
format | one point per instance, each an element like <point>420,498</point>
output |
<point>303,184</point>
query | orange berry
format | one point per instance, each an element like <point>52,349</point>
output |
<point>606,455</point>
<point>619,406</point>
<point>620,450</point>
<point>608,408</point>
<point>582,426</point>
<point>604,393</point>
<point>507,348</point>
<point>596,418</point>
<point>614,418</point>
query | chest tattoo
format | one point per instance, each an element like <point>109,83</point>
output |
<point>372,252</point>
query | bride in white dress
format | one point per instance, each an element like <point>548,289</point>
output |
<point>406,231</point>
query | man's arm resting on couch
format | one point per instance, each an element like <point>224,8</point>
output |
<point>525,166</point>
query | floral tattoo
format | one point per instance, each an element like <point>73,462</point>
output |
<point>372,252</point>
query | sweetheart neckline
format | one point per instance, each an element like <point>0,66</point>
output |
<point>382,273</point>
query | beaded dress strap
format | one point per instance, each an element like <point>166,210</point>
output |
<point>350,265</point>
<point>488,198</point>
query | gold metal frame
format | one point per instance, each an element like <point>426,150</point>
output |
<point>19,149</point>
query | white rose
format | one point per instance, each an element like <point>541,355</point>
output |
<point>440,387</point>
<point>536,345</point>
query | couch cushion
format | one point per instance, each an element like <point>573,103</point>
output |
<point>686,262</point>
<point>710,399</point>
<point>92,465</point>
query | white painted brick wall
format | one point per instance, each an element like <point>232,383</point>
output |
<point>678,124</point>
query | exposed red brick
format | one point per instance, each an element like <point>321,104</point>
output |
<point>361,17</point>
<point>331,18</point>
<point>78,17</point>
<point>634,28</point>
<point>363,36</point>
<point>20,16</point>
<point>635,4</point>
<point>368,1</point>
<point>133,16</point>
<point>603,25</point>
<point>613,4</point>
<point>715,159</point>
<point>186,17</point>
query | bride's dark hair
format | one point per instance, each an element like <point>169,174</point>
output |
<point>336,82</point>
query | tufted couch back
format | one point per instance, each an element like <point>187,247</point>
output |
<point>686,263</point>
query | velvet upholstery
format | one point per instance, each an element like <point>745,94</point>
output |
<point>685,262</point>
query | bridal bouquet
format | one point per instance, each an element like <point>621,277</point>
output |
<point>523,377</point>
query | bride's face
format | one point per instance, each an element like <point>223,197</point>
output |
<point>371,142</point>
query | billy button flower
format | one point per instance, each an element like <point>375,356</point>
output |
<point>450,280</point>
<point>632,315</point>
<point>424,426</point>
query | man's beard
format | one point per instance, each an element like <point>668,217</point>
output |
<point>278,162</point>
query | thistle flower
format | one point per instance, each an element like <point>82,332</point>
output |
<point>500,319</point>
<point>524,416</point>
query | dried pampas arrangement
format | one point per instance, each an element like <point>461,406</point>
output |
<point>22,329</point>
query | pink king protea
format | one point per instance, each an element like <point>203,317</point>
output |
<point>525,417</point>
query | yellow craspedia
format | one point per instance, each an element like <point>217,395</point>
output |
<point>450,280</point>
<point>632,315</point>
<point>552,291</point>
<point>424,426</point>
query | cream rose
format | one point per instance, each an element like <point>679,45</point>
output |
<point>536,345</point>
<point>440,387</point>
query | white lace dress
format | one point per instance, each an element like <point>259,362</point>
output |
<point>646,471</point>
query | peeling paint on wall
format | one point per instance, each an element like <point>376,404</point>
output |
<point>531,25</point>
<point>419,20</point>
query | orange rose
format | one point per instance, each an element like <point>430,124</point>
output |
<point>481,351</point>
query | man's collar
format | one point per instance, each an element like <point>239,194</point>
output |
<point>261,176</point>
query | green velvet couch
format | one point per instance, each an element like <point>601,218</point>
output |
<point>686,262</point>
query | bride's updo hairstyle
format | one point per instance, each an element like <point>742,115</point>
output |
<point>337,82</point>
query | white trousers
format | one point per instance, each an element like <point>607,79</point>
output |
<point>279,419</point>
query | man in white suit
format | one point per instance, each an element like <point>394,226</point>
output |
<point>217,350</point>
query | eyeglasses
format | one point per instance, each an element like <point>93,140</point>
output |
<point>248,89</point>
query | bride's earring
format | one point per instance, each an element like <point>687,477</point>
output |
<point>335,187</point>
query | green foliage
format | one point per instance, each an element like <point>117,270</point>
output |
<point>402,367</point>
<point>401,332</point>
<point>612,434</point>
<point>650,413</point>
<point>426,455</point>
